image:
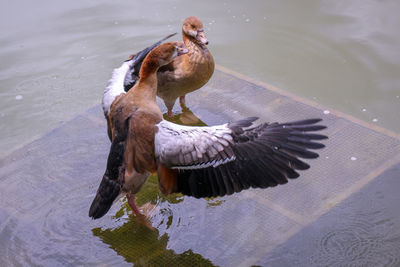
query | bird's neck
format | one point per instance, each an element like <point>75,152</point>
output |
<point>197,52</point>
<point>149,68</point>
<point>190,41</point>
<point>146,88</point>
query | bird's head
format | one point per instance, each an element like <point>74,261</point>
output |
<point>193,28</point>
<point>167,52</point>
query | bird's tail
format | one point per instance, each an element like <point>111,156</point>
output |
<point>110,185</point>
<point>106,194</point>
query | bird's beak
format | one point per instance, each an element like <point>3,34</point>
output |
<point>202,37</point>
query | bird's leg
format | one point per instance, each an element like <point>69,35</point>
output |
<point>182,100</point>
<point>132,204</point>
<point>170,114</point>
<point>142,219</point>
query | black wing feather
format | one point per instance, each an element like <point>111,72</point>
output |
<point>110,185</point>
<point>266,155</point>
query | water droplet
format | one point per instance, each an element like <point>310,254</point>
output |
<point>234,16</point>
<point>19,97</point>
<point>247,20</point>
<point>353,158</point>
<point>364,110</point>
<point>116,22</point>
<point>235,111</point>
<point>314,98</point>
<point>265,17</point>
<point>326,112</point>
<point>327,157</point>
<point>397,96</point>
<point>375,120</point>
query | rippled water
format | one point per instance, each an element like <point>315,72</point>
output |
<point>56,58</point>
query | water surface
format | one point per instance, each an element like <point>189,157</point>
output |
<point>56,58</point>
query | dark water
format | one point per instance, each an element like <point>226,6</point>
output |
<point>56,58</point>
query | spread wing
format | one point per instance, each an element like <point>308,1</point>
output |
<point>135,62</point>
<point>220,160</point>
<point>186,147</point>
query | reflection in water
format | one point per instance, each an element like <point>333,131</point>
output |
<point>144,247</point>
<point>186,117</point>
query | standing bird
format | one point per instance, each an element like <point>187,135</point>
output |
<point>191,71</point>
<point>183,75</point>
<point>195,161</point>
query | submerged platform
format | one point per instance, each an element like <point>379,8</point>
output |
<point>343,211</point>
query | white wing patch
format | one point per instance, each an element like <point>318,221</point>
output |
<point>115,86</point>
<point>186,147</point>
<point>214,163</point>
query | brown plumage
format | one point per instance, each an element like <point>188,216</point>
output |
<point>189,72</point>
<point>131,118</point>
<point>196,161</point>
<point>184,74</point>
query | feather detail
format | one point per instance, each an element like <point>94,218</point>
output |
<point>220,160</point>
<point>126,76</point>
<point>115,86</point>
